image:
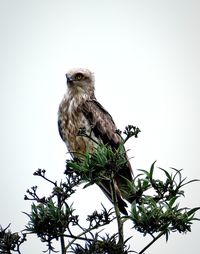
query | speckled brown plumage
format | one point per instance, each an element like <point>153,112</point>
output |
<point>80,109</point>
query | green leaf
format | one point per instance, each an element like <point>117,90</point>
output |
<point>191,181</point>
<point>172,200</point>
<point>144,171</point>
<point>166,173</point>
<point>151,171</point>
<point>87,185</point>
<point>192,211</point>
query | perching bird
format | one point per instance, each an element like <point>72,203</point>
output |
<point>80,109</point>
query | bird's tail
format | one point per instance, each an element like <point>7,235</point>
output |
<point>105,187</point>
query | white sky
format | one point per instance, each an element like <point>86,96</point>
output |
<point>146,58</point>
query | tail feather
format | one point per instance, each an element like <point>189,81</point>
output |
<point>124,175</point>
<point>105,187</point>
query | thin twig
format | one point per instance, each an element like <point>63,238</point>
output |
<point>117,212</point>
<point>148,245</point>
<point>79,237</point>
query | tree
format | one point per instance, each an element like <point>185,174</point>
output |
<point>154,211</point>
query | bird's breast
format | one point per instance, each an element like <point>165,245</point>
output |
<point>71,120</point>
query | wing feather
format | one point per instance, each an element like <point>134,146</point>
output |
<point>101,121</point>
<point>104,128</point>
<point>60,130</point>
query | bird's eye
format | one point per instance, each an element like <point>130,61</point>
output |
<point>79,76</point>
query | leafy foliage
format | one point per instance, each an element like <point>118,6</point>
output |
<point>49,221</point>
<point>154,209</point>
<point>10,242</point>
<point>159,212</point>
<point>103,164</point>
<point>106,245</point>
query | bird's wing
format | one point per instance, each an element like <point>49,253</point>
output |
<point>104,128</point>
<point>60,130</point>
<point>101,121</point>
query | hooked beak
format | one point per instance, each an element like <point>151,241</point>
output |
<point>69,79</point>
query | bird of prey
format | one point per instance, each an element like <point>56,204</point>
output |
<point>80,109</point>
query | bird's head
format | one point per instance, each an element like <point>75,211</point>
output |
<point>80,80</point>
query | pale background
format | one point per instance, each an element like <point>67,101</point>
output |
<point>146,57</point>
